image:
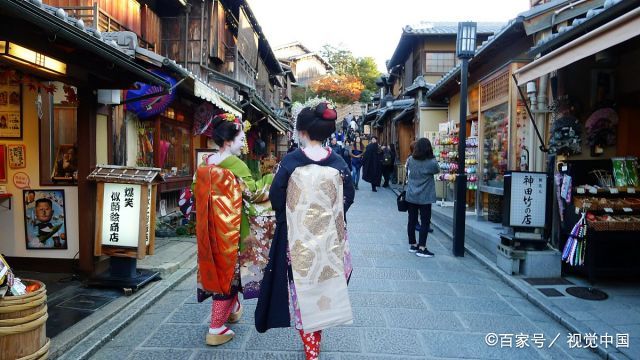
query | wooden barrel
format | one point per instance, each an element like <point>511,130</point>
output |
<point>23,325</point>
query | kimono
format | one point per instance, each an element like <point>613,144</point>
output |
<point>227,199</point>
<point>308,272</point>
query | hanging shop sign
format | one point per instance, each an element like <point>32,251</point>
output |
<point>27,57</point>
<point>528,204</point>
<point>150,105</point>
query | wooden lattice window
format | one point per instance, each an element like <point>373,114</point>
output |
<point>495,89</point>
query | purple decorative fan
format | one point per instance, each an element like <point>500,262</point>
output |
<point>202,119</point>
<point>151,106</point>
<point>601,127</point>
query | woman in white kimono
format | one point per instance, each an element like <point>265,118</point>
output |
<point>309,262</point>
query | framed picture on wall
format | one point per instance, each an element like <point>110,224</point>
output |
<point>10,105</point>
<point>66,165</point>
<point>45,219</point>
<point>17,156</point>
<point>3,163</point>
<point>202,155</point>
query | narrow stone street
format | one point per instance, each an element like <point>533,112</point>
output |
<point>405,307</point>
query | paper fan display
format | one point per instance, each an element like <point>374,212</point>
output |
<point>202,119</point>
<point>601,127</point>
<point>151,106</point>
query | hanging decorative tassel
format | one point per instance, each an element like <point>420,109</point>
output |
<point>574,249</point>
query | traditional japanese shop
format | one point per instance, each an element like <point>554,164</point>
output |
<point>53,132</point>
<point>595,88</point>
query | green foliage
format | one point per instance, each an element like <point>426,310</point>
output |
<point>366,96</point>
<point>368,72</point>
<point>346,64</point>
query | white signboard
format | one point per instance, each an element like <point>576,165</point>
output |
<point>148,235</point>
<point>528,199</point>
<point>443,127</point>
<point>121,215</point>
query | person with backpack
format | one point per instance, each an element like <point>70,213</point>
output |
<point>388,161</point>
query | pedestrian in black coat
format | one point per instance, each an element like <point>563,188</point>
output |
<point>372,164</point>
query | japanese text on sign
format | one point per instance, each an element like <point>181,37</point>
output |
<point>121,215</point>
<point>528,199</point>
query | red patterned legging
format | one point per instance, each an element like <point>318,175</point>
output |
<point>311,344</point>
<point>220,311</point>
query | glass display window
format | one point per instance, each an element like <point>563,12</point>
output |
<point>495,145</point>
<point>146,137</point>
<point>174,150</point>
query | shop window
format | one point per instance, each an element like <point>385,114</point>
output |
<point>174,150</point>
<point>145,132</point>
<point>496,145</point>
<point>439,62</point>
<point>59,136</point>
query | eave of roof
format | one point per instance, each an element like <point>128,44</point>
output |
<point>74,31</point>
<point>513,25</point>
<point>579,26</point>
<point>409,34</point>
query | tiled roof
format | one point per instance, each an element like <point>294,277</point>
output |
<point>449,28</point>
<point>454,71</point>
<point>409,33</point>
<point>577,22</point>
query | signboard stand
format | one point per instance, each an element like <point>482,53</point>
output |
<point>125,224</point>
<point>525,206</point>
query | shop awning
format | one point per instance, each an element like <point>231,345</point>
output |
<point>205,92</point>
<point>608,35</point>
<point>277,124</point>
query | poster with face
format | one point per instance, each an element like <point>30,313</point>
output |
<point>45,219</point>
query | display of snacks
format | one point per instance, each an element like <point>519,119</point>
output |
<point>613,222</point>
<point>601,203</point>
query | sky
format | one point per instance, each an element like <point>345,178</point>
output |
<point>368,27</point>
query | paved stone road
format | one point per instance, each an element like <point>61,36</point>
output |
<point>405,308</point>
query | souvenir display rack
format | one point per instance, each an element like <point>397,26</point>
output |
<point>613,221</point>
<point>446,152</point>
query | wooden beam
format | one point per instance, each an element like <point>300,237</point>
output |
<point>86,189</point>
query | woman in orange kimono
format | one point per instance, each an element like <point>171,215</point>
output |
<point>225,196</point>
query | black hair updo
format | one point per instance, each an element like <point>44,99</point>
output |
<point>318,122</point>
<point>224,130</point>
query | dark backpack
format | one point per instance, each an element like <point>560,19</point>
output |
<point>387,159</point>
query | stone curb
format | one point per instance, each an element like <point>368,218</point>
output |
<point>538,300</point>
<point>93,332</point>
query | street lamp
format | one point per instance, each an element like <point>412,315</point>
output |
<point>465,50</point>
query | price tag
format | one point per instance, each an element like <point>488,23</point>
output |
<point>613,190</point>
<point>631,190</point>
<point>565,168</point>
<point>627,210</point>
<point>593,190</point>
<point>608,210</point>
<point>580,190</point>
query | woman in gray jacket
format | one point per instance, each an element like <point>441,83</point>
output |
<point>421,193</point>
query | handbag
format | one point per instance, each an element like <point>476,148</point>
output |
<point>402,202</point>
